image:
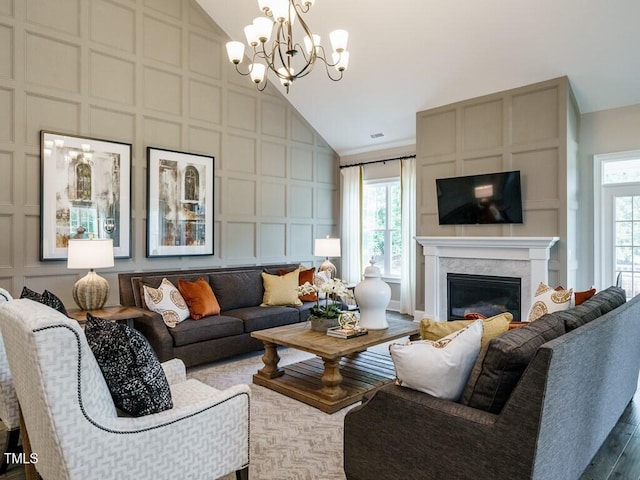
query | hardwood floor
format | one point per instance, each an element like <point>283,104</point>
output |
<point>617,459</point>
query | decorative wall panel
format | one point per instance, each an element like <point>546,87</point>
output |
<point>52,63</point>
<point>103,15</point>
<point>62,15</point>
<point>274,119</point>
<point>162,91</point>
<point>301,240</point>
<point>204,56</point>
<point>240,156</point>
<point>273,200</point>
<point>49,113</point>
<point>239,197</point>
<point>483,125</point>
<point>153,73</point>
<point>31,188</point>
<point>105,123</point>
<point>301,164</point>
<point>273,241</point>
<point>273,159</point>
<point>6,179</point>
<point>6,115</point>
<point>205,102</point>
<point>535,116</point>
<point>6,253</point>
<point>6,51</point>
<point>301,203</point>
<point>112,78</point>
<point>162,41</point>
<point>242,111</point>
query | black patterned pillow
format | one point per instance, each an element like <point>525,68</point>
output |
<point>30,294</point>
<point>47,298</point>
<point>130,367</point>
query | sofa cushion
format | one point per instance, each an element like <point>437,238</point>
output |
<point>200,299</point>
<point>305,275</point>
<point>46,298</point>
<point>492,327</point>
<point>502,362</point>
<point>280,289</point>
<point>581,297</point>
<point>549,300</point>
<point>259,318</point>
<point>608,299</point>
<point>167,301</point>
<point>215,326</point>
<point>135,378</point>
<point>580,315</point>
<point>237,289</point>
<point>439,368</point>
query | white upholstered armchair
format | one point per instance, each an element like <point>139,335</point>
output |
<point>73,425</point>
<point>9,409</point>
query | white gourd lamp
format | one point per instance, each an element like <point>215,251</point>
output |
<point>92,290</point>
<point>327,247</point>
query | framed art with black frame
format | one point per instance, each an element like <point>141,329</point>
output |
<point>85,192</point>
<point>179,203</point>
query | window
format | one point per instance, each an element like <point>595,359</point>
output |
<point>381,226</point>
<point>617,178</point>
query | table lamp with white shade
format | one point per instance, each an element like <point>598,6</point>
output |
<point>327,247</point>
<point>92,290</point>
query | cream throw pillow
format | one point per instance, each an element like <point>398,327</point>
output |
<point>167,301</point>
<point>548,300</point>
<point>493,326</point>
<point>281,289</point>
<point>438,368</point>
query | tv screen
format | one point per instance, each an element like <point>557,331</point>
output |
<point>480,199</point>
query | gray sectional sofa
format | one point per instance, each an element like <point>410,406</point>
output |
<point>538,404</point>
<point>239,291</point>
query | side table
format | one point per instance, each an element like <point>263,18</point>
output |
<point>114,313</point>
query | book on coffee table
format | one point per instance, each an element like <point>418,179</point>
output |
<point>346,332</point>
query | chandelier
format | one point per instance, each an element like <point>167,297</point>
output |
<point>284,55</point>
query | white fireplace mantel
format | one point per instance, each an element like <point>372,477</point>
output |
<point>530,254</point>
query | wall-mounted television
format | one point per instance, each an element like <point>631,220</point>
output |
<point>480,199</point>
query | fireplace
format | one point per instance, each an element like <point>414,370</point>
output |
<point>485,294</point>
<point>526,258</point>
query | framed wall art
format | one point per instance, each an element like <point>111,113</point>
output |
<point>179,203</point>
<point>85,192</point>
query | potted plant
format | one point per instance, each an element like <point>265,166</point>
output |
<point>328,305</point>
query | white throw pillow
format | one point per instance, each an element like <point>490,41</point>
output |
<point>439,368</point>
<point>167,301</point>
<point>548,300</point>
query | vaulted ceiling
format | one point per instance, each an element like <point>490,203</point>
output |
<point>412,55</point>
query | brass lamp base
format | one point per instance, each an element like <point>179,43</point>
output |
<point>91,291</point>
<point>328,267</point>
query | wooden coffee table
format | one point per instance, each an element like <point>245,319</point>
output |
<point>343,370</point>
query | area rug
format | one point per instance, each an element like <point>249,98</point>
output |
<point>289,439</point>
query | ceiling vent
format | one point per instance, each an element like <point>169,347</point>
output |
<point>377,135</point>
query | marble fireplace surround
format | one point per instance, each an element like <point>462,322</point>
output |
<point>526,258</point>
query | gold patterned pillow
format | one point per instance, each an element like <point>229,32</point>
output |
<point>167,301</point>
<point>548,300</point>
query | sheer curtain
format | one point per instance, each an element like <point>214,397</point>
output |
<point>351,224</point>
<point>408,227</point>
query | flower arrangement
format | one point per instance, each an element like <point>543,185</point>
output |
<point>334,289</point>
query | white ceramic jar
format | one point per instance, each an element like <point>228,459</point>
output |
<point>373,295</point>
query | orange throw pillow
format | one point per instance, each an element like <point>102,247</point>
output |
<point>199,297</point>
<point>303,277</point>
<point>580,297</point>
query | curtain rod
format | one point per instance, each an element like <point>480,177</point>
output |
<point>376,161</point>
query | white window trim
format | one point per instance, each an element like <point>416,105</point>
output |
<point>599,255</point>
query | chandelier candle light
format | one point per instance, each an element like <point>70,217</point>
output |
<point>285,56</point>
<point>92,290</point>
